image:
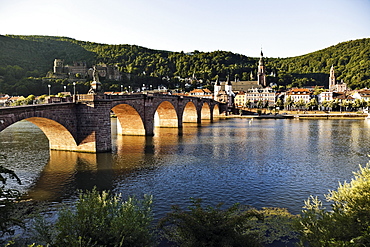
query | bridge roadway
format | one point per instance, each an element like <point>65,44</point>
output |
<point>85,125</point>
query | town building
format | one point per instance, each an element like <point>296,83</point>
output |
<point>266,95</point>
<point>201,93</point>
<point>299,94</point>
<point>240,99</point>
<point>363,94</point>
<point>4,100</point>
<point>325,96</point>
<point>224,93</point>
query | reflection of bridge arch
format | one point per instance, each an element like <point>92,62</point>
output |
<point>166,115</point>
<point>190,114</point>
<point>129,120</point>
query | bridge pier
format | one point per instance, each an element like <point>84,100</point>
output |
<point>94,127</point>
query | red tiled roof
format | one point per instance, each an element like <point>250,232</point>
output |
<point>299,91</point>
<point>204,91</point>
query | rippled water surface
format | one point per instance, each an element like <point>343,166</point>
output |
<point>269,163</point>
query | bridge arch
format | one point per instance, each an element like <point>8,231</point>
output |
<point>129,120</point>
<point>59,136</point>
<point>166,115</point>
<point>190,114</point>
<point>206,111</point>
<point>216,110</point>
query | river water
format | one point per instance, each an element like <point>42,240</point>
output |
<point>263,163</point>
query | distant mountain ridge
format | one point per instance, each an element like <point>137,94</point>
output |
<point>32,56</point>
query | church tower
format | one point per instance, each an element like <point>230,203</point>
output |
<point>228,87</point>
<point>261,74</point>
<point>332,77</point>
<point>229,92</point>
<point>216,89</point>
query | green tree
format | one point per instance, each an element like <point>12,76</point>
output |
<point>288,103</point>
<point>312,104</point>
<point>300,103</point>
<point>279,103</point>
<point>101,219</point>
<point>29,100</point>
<point>260,103</point>
<point>211,226</point>
<point>348,221</point>
<point>7,202</point>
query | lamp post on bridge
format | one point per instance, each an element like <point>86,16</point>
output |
<point>74,91</point>
<point>65,88</point>
<point>49,86</point>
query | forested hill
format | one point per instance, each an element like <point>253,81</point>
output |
<point>350,59</point>
<point>23,59</point>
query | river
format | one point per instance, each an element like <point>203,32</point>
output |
<point>263,163</point>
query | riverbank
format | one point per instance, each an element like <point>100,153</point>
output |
<point>300,115</point>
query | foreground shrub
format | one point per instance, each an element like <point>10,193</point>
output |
<point>277,226</point>
<point>101,219</point>
<point>235,226</point>
<point>348,221</point>
<point>8,198</point>
<point>211,226</point>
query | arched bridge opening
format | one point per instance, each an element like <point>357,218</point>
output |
<point>206,112</point>
<point>166,116</point>
<point>190,114</point>
<point>59,137</point>
<point>129,121</point>
<point>216,110</point>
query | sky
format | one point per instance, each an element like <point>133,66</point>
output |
<point>281,28</point>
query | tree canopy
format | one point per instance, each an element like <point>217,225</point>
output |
<point>24,60</point>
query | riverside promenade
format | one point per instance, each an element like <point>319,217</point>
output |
<point>267,114</point>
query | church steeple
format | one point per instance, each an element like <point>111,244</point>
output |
<point>228,86</point>
<point>261,74</point>
<point>332,77</point>
<point>228,80</point>
<point>217,89</point>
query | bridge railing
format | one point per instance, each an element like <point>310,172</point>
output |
<point>92,97</point>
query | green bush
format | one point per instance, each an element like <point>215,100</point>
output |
<point>211,226</point>
<point>348,221</point>
<point>8,197</point>
<point>101,219</point>
<point>277,226</point>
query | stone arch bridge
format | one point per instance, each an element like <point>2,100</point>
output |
<point>85,125</point>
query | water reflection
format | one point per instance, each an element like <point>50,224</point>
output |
<point>266,163</point>
<point>67,171</point>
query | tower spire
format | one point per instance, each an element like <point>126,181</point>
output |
<point>332,77</point>
<point>261,74</point>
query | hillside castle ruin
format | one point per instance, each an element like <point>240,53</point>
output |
<point>80,71</point>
